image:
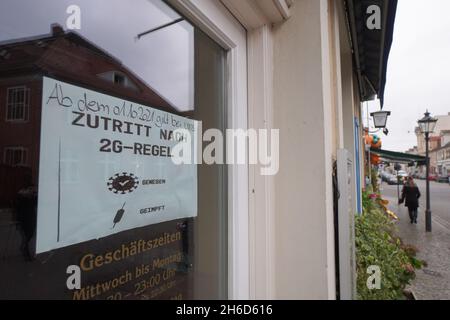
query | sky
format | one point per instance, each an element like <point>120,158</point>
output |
<point>418,75</point>
<point>164,60</point>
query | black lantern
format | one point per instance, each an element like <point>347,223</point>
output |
<point>427,123</point>
<point>380,118</point>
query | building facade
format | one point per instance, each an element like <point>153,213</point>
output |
<point>443,155</point>
<point>299,67</point>
<point>438,140</point>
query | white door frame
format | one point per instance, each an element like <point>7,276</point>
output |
<point>217,22</point>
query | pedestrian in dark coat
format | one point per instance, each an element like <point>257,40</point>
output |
<point>411,195</point>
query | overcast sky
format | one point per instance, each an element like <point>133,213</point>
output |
<point>418,75</point>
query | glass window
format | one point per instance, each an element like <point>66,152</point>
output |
<point>17,103</point>
<point>91,204</point>
<point>15,156</point>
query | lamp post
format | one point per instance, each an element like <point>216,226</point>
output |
<point>427,125</point>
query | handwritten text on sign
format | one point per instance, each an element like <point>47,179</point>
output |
<point>105,166</point>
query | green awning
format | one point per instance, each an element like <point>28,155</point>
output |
<point>400,157</point>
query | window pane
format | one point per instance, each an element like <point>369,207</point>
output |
<point>19,96</point>
<point>168,54</point>
<point>81,182</point>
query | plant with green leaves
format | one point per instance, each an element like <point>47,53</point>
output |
<point>377,245</point>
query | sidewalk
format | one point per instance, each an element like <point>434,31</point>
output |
<point>432,281</point>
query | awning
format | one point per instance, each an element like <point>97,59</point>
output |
<point>400,157</point>
<point>371,47</point>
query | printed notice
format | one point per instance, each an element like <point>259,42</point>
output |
<point>105,166</point>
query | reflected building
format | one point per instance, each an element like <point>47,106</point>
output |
<point>66,56</point>
<point>302,68</point>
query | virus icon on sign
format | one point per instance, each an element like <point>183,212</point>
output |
<point>123,183</point>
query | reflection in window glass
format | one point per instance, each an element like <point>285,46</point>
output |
<point>17,103</point>
<point>80,82</point>
<point>162,60</point>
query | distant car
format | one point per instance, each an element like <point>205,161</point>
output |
<point>432,177</point>
<point>443,179</point>
<point>384,176</point>
<point>402,174</point>
<point>392,180</point>
<point>388,177</point>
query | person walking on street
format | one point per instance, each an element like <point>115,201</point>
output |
<point>411,195</point>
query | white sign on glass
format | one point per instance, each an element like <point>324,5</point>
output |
<point>106,167</point>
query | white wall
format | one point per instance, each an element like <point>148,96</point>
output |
<point>348,103</point>
<point>304,245</point>
<point>307,62</point>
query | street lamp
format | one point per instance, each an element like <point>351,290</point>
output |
<point>426,125</point>
<point>380,118</point>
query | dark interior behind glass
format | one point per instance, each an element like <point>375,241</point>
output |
<point>177,69</point>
